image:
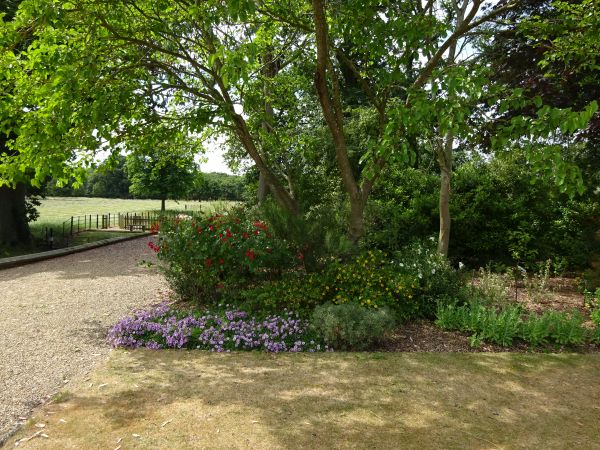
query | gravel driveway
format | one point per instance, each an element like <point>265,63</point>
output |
<point>54,316</point>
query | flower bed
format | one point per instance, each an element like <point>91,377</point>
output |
<point>163,327</point>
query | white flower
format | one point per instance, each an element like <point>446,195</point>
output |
<point>401,265</point>
<point>460,266</point>
<point>432,271</point>
<point>420,275</point>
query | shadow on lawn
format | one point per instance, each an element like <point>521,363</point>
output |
<point>360,400</point>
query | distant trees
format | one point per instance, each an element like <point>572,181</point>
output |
<point>217,186</point>
<point>109,180</point>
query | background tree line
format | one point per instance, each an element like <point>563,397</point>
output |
<point>113,180</point>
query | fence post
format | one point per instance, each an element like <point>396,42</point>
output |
<point>108,220</point>
<point>71,233</point>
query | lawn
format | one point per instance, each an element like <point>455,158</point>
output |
<point>182,399</point>
<point>58,209</point>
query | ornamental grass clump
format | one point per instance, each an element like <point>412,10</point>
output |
<point>163,327</point>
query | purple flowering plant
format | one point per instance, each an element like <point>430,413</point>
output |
<point>221,331</point>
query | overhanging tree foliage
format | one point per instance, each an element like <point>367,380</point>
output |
<point>107,75</point>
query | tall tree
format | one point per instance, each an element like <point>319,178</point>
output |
<point>14,228</point>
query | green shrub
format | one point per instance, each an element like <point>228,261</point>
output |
<point>202,256</point>
<point>436,280</point>
<point>410,282</point>
<point>370,280</point>
<point>566,328</point>
<point>493,288</point>
<point>497,213</point>
<point>350,326</point>
<point>295,291</point>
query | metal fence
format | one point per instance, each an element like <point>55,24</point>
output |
<point>125,221</point>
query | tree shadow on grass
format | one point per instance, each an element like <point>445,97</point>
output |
<point>358,400</point>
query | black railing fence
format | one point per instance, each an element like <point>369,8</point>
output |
<point>123,221</point>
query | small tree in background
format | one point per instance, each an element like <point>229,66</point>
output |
<point>163,175</point>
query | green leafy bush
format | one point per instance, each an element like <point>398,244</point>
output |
<point>410,282</point>
<point>350,326</point>
<point>371,280</point>
<point>497,214</point>
<point>202,256</point>
<point>436,280</point>
<point>294,291</point>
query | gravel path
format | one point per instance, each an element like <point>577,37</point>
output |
<point>54,316</point>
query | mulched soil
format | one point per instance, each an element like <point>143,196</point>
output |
<point>426,337</point>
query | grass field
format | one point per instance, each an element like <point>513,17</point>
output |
<point>54,211</point>
<point>188,400</point>
<point>58,209</point>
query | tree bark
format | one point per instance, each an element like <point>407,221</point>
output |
<point>445,163</point>
<point>444,151</point>
<point>162,205</point>
<point>333,114</point>
<point>263,189</point>
<point>14,229</point>
<point>269,70</point>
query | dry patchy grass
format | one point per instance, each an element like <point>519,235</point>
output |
<point>187,399</point>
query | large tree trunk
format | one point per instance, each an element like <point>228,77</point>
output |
<point>14,229</point>
<point>444,151</point>
<point>269,69</point>
<point>445,162</point>
<point>331,105</point>
<point>263,189</point>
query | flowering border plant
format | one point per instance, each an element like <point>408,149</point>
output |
<point>204,255</point>
<point>163,327</point>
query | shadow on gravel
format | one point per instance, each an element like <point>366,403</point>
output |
<point>116,260</point>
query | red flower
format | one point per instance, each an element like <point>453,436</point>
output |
<point>228,233</point>
<point>300,256</point>
<point>250,254</point>
<point>256,232</point>
<point>208,262</point>
<point>221,261</point>
<point>153,246</point>
<point>220,235</point>
<point>200,230</point>
<point>245,235</point>
<point>261,225</point>
<point>211,228</point>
